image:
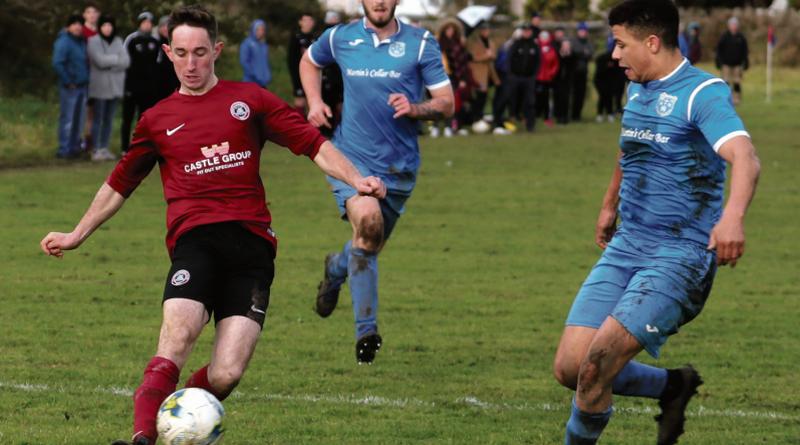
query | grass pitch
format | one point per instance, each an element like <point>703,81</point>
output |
<point>475,285</point>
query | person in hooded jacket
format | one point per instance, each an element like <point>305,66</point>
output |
<point>141,79</point>
<point>254,55</point>
<point>69,63</point>
<point>108,60</point>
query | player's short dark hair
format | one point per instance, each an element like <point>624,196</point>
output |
<point>193,15</point>
<point>646,17</point>
<point>306,13</point>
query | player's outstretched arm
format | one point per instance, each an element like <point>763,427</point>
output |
<point>331,161</point>
<point>607,220</point>
<point>311,78</point>
<point>727,237</point>
<point>105,204</point>
<point>440,106</point>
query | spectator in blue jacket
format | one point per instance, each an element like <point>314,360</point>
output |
<point>71,66</point>
<point>254,55</point>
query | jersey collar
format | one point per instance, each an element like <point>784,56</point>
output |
<point>374,35</point>
<point>660,82</point>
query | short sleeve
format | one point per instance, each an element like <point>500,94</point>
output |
<point>711,110</point>
<point>284,126</point>
<point>137,163</point>
<point>322,52</point>
<point>430,63</point>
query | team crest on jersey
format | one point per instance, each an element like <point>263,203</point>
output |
<point>666,104</point>
<point>397,49</point>
<point>240,110</point>
<point>181,277</point>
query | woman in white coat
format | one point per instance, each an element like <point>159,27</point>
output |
<point>108,60</point>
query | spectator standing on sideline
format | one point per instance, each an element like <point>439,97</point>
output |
<point>91,13</point>
<point>583,50</point>
<point>108,61</point>
<point>298,45</point>
<point>69,62</point>
<point>733,58</point>
<point>482,53</point>
<point>524,59</point>
<point>536,24</point>
<point>141,79</point>
<point>456,63</point>
<point>545,80</point>
<point>168,81</point>
<point>254,55</point>
<point>332,82</point>
<point>501,66</point>
<point>563,82</point>
<point>695,51</point>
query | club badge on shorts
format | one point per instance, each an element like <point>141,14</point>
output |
<point>180,277</point>
<point>240,110</point>
<point>666,104</point>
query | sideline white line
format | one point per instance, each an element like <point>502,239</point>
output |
<point>468,401</point>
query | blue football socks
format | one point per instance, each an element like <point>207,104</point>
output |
<point>362,270</point>
<point>640,380</point>
<point>337,267</point>
<point>585,428</point>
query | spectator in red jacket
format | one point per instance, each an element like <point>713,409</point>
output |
<point>545,80</point>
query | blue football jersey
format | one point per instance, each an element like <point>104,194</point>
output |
<point>673,179</point>
<point>405,62</point>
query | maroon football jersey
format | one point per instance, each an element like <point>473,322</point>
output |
<point>208,149</point>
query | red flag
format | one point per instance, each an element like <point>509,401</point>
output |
<point>771,36</point>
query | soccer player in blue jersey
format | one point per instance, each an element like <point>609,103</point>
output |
<point>678,130</point>
<point>385,66</point>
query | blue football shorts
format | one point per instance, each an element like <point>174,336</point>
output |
<point>651,286</point>
<point>392,206</point>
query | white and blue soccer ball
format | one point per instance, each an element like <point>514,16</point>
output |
<point>190,416</point>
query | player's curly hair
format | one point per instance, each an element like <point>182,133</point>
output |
<point>648,17</point>
<point>193,15</point>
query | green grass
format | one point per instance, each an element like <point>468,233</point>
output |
<point>475,285</point>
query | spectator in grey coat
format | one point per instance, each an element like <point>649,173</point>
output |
<point>108,60</point>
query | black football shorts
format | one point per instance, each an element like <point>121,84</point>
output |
<point>224,266</point>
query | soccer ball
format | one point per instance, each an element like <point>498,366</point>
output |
<point>190,416</point>
<point>481,127</point>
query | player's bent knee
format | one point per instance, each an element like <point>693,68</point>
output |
<point>565,373</point>
<point>225,379</point>
<point>369,232</point>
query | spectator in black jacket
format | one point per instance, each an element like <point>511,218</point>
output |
<point>332,82</point>
<point>583,51</point>
<point>298,44</point>
<point>168,81</point>
<point>523,66</point>
<point>732,57</point>
<point>141,79</point>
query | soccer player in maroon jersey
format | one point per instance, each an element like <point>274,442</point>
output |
<point>207,139</point>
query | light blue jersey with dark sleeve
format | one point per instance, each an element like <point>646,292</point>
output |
<point>406,62</point>
<point>656,273</point>
<point>672,177</point>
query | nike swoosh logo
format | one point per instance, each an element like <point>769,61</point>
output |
<point>633,97</point>
<point>356,42</point>
<point>171,132</point>
<point>651,329</point>
<point>255,309</point>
